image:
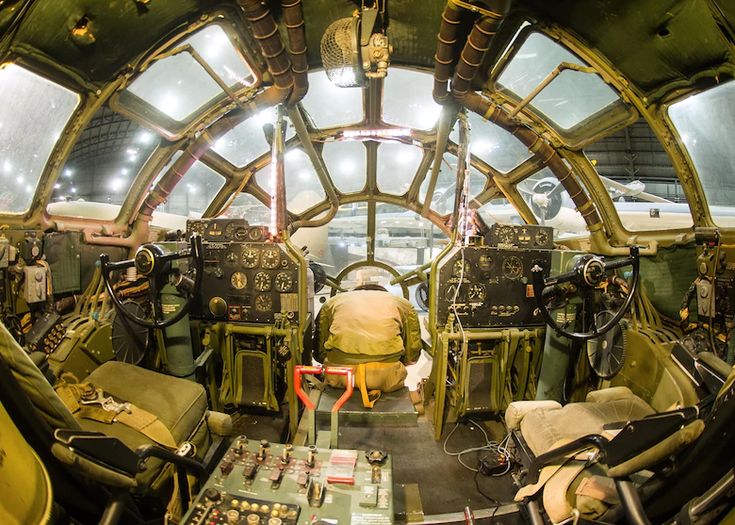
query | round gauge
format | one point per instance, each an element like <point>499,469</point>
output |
<point>485,262</point>
<point>270,258</point>
<point>542,238</point>
<point>452,295</point>
<point>230,231</point>
<point>197,227</point>
<point>241,233</point>
<point>458,269</point>
<point>283,282</point>
<point>239,280</point>
<point>263,303</point>
<point>477,293</point>
<point>250,258</point>
<point>232,257</point>
<point>262,282</point>
<point>505,234</point>
<point>255,234</point>
<point>512,267</point>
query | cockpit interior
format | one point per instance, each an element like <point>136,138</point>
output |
<point>370,262</point>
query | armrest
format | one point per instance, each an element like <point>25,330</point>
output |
<point>105,451</point>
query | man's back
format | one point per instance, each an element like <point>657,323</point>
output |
<point>368,325</point>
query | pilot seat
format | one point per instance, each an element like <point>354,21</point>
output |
<point>156,410</point>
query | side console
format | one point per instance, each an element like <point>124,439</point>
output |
<point>262,483</point>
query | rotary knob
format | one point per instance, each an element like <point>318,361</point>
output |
<point>213,495</point>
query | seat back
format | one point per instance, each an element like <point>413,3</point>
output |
<point>34,385</point>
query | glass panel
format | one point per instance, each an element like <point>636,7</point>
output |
<point>247,206</point>
<point>371,275</point>
<point>194,192</point>
<point>493,144</point>
<point>443,198</point>
<point>407,100</point>
<point>570,98</point>
<point>397,165</point>
<point>346,163</point>
<point>33,114</point>
<point>246,142</point>
<point>341,242</point>
<point>101,167</point>
<point>706,124</point>
<point>404,239</point>
<point>551,204</point>
<point>303,189</point>
<point>179,87</point>
<point>329,105</point>
<point>499,210</point>
<point>640,179</point>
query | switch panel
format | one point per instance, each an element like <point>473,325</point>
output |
<point>34,290</point>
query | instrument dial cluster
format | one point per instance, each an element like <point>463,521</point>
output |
<point>254,278</point>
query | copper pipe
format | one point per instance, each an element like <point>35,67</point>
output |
<point>444,56</point>
<point>470,61</point>
<point>476,46</point>
<point>264,29</point>
<point>293,18</point>
<point>194,151</point>
<point>540,148</point>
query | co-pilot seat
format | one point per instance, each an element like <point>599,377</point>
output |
<point>177,404</point>
<point>577,480</point>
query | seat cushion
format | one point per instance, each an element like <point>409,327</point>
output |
<point>543,429</point>
<point>178,403</point>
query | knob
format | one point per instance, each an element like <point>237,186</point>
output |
<point>218,307</point>
<point>253,519</point>
<point>233,516</point>
<point>213,495</point>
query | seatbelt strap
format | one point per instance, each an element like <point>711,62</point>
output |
<point>369,397</point>
<point>85,401</point>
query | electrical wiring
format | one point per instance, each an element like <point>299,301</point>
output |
<point>489,446</point>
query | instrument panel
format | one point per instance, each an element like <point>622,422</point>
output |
<point>520,236</point>
<point>486,286</point>
<point>244,281</point>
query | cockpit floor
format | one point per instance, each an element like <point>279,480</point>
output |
<point>444,485</point>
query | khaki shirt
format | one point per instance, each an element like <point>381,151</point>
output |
<point>367,325</point>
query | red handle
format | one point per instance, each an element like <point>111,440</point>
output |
<point>349,380</point>
<point>298,371</point>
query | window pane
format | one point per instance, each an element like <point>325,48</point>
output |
<point>404,239</point>
<point>246,206</point>
<point>443,198</point>
<point>706,124</point>
<point>570,98</point>
<point>551,204</point>
<point>346,163</point>
<point>341,242</point>
<point>33,114</point>
<point>101,167</point>
<point>246,142</point>
<point>640,179</point>
<point>407,100</point>
<point>179,87</point>
<point>397,165</point>
<point>194,192</point>
<point>499,210</point>
<point>493,144</point>
<point>329,105</point>
<point>303,189</point>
